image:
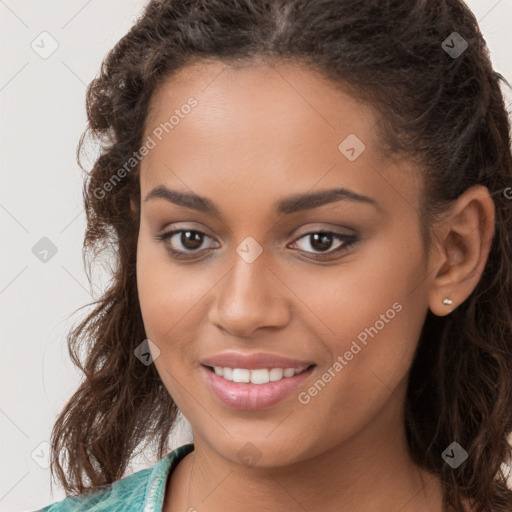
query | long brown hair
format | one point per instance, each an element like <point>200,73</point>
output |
<point>446,112</point>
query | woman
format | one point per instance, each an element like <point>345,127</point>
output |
<point>310,207</point>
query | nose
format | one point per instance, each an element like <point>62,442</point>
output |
<point>249,297</point>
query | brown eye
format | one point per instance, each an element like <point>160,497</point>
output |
<point>188,243</point>
<point>321,242</point>
<point>191,240</point>
<point>182,243</point>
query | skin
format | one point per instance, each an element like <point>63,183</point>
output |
<point>261,133</point>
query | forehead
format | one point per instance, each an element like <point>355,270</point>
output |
<point>259,94</point>
<point>265,126</point>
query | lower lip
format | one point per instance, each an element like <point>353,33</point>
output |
<point>241,395</point>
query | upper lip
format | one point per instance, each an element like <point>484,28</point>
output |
<point>253,361</point>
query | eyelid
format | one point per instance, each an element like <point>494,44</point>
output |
<point>309,231</point>
<point>347,241</point>
<point>166,235</point>
<point>322,228</point>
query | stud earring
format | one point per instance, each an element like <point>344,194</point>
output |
<point>447,302</point>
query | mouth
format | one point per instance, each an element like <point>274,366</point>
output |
<point>257,376</point>
<point>255,388</point>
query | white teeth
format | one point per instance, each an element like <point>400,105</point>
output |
<point>276,374</point>
<point>227,373</point>
<point>259,376</point>
<point>241,375</point>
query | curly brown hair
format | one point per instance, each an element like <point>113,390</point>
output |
<point>446,113</point>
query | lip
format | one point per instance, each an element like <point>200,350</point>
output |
<point>253,361</point>
<point>241,395</point>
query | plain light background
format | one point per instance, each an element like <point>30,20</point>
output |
<point>42,118</point>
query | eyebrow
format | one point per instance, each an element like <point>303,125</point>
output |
<point>291,204</point>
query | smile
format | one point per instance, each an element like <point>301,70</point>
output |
<point>243,388</point>
<point>258,376</point>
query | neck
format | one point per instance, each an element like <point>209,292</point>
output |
<point>370,471</point>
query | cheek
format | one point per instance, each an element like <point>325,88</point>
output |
<point>170,302</point>
<point>372,318</point>
<point>163,294</point>
<point>172,296</point>
<point>346,299</point>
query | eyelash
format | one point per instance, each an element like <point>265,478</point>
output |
<point>348,241</point>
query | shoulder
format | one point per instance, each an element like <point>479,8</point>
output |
<point>132,493</point>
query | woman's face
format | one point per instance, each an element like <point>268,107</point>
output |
<point>272,262</point>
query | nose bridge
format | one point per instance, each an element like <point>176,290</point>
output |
<point>247,298</point>
<point>250,269</point>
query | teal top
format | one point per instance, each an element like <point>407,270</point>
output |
<point>141,492</point>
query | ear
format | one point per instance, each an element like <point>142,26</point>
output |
<point>462,242</point>
<point>134,206</point>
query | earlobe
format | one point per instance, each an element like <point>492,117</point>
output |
<point>463,241</point>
